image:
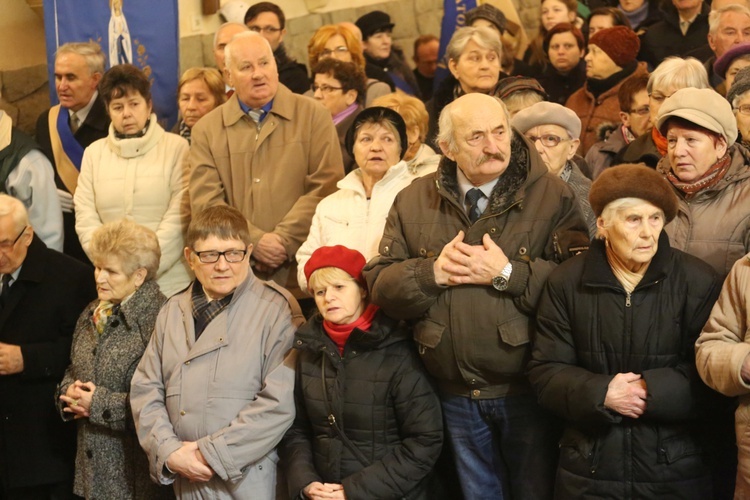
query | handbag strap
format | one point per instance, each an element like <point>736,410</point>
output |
<point>332,419</point>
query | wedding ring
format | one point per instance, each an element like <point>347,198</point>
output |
<point>74,403</point>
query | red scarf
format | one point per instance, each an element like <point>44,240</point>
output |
<point>340,333</point>
<point>660,141</point>
<point>709,178</point>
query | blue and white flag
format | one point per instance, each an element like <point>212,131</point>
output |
<point>454,17</point>
<point>144,33</point>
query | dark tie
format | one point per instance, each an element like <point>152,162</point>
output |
<point>472,199</point>
<point>5,293</point>
<point>75,123</point>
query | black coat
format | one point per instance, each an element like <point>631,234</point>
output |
<point>382,400</point>
<point>589,330</point>
<point>95,127</point>
<point>558,86</point>
<point>36,447</point>
<point>664,38</point>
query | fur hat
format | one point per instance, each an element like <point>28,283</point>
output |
<point>703,107</point>
<point>489,13</point>
<point>548,113</point>
<point>633,181</point>
<point>378,113</point>
<point>620,43</point>
<point>338,256</point>
<point>374,22</point>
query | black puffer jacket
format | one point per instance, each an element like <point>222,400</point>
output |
<point>381,399</point>
<point>590,329</point>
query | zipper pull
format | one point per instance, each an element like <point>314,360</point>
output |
<point>627,300</point>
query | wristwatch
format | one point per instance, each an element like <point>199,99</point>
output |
<point>500,283</point>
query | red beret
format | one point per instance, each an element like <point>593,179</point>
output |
<point>339,256</point>
<point>620,43</point>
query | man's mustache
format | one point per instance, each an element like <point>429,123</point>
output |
<point>492,156</point>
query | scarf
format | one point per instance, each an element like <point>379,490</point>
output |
<point>637,16</point>
<point>713,175</point>
<point>627,278</point>
<point>340,333</point>
<point>660,141</point>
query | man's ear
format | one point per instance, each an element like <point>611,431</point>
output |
<point>446,150</point>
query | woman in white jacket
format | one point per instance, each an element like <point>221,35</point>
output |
<point>137,173</point>
<point>354,216</point>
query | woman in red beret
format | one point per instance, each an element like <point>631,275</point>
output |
<point>613,353</point>
<point>368,422</point>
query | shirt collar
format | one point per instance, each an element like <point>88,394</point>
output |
<point>264,109</point>
<point>84,112</point>
<point>464,185</point>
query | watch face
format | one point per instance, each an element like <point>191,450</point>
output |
<point>500,283</point>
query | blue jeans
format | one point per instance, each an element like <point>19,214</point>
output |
<point>504,448</point>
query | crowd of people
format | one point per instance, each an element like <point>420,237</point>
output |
<point>526,278</point>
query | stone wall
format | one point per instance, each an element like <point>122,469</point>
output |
<point>412,18</point>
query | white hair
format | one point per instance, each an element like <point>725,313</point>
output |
<point>238,36</point>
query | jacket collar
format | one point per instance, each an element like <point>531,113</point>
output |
<point>597,271</point>
<point>353,180</point>
<point>136,146</point>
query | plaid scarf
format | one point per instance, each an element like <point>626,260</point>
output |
<point>713,175</point>
<point>204,311</point>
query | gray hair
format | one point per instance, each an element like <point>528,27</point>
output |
<point>445,125</point>
<point>238,36</point>
<point>90,51</point>
<point>613,209</point>
<point>678,73</point>
<point>714,17</point>
<point>134,246</point>
<point>521,99</point>
<point>482,36</point>
<point>222,27</point>
<point>13,207</point>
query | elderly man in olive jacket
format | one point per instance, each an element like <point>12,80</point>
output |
<point>268,152</point>
<point>465,253</point>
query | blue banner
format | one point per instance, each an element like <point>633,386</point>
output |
<point>454,17</point>
<point>144,33</point>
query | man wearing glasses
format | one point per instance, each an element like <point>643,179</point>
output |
<point>268,19</point>
<point>42,293</point>
<point>213,393</point>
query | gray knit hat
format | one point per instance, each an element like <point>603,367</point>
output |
<point>703,107</point>
<point>740,85</point>
<point>488,12</point>
<point>547,113</point>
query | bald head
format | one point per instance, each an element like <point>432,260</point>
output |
<point>222,37</point>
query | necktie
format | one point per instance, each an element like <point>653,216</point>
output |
<point>74,122</point>
<point>255,115</point>
<point>5,293</point>
<point>472,199</point>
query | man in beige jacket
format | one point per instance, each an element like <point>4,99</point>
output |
<point>268,152</point>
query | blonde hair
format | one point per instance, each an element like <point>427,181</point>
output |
<point>411,109</point>
<point>327,275</point>
<point>211,77</point>
<point>133,245</point>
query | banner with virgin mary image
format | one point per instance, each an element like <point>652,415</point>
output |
<point>144,33</point>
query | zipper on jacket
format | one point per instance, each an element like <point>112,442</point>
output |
<point>627,299</point>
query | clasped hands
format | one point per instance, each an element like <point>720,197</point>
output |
<point>78,398</point>
<point>626,394</point>
<point>317,491</point>
<point>462,264</point>
<point>11,359</point>
<point>269,253</point>
<point>189,462</point>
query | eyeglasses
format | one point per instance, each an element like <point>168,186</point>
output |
<point>744,109</point>
<point>642,111</point>
<point>325,88</point>
<point>548,140</point>
<point>5,246</point>
<point>264,29</point>
<point>212,256</point>
<point>330,52</point>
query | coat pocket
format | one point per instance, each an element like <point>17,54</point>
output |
<point>514,332</point>
<point>428,334</point>
<point>674,448</point>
